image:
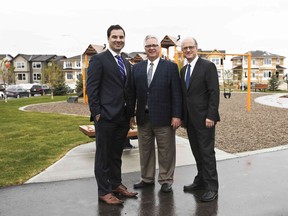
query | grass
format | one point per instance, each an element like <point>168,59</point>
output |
<point>30,142</point>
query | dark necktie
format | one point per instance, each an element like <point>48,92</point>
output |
<point>149,74</point>
<point>121,67</point>
<point>188,76</point>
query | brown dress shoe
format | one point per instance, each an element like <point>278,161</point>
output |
<point>110,199</point>
<point>121,189</point>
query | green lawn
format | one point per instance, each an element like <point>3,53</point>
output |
<point>30,142</point>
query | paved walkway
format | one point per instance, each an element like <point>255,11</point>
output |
<point>251,183</point>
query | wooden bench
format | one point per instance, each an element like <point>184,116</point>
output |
<point>89,130</point>
<point>261,87</point>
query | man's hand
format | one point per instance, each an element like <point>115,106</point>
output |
<point>209,123</point>
<point>175,123</point>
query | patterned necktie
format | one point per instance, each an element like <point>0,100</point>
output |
<point>149,74</point>
<point>188,76</point>
<point>121,67</point>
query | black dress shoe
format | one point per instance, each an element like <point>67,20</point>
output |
<point>193,187</point>
<point>209,196</point>
<point>166,188</point>
<point>143,184</point>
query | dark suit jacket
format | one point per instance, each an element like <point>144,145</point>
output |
<point>164,97</point>
<point>107,93</point>
<point>201,99</point>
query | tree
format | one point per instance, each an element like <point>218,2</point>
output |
<point>54,76</point>
<point>273,83</point>
<point>7,72</point>
<point>79,85</point>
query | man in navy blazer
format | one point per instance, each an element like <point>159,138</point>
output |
<point>156,91</point>
<point>200,88</point>
<point>107,90</point>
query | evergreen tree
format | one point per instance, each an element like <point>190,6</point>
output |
<point>273,83</point>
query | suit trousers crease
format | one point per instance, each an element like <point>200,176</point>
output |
<point>202,142</point>
<point>166,151</point>
<point>110,138</point>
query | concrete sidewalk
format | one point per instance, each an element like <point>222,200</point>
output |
<point>79,162</point>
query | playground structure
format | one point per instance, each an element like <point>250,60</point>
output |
<point>166,43</point>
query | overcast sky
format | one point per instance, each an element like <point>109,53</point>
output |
<point>68,27</point>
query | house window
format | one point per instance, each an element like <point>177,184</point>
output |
<point>68,64</point>
<point>36,76</point>
<point>78,64</point>
<point>69,76</point>
<point>267,61</point>
<point>20,65</point>
<point>216,61</point>
<point>21,76</point>
<point>36,65</point>
<point>253,74</point>
<point>253,61</point>
<point>78,75</point>
<point>278,61</point>
<point>266,74</point>
<point>238,61</point>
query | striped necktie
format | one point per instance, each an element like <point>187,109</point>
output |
<point>121,67</point>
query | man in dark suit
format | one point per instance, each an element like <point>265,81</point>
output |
<point>156,90</point>
<point>200,88</point>
<point>107,90</point>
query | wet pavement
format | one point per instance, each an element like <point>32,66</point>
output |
<point>249,185</point>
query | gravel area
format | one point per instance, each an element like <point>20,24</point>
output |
<point>238,131</point>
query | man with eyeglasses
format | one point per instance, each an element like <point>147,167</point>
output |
<point>156,93</point>
<point>200,89</point>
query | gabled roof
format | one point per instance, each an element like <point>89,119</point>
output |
<point>211,52</point>
<point>94,49</point>
<point>259,54</point>
<point>133,54</point>
<point>2,56</point>
<point>73,58</point>
<point>39,58</point>
<point>168,41</point>
<point>263,54</point>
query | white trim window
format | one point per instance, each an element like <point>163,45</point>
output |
<point>267,61</point>
<point>68,64</point>
<point>21,76</point>
<point>20,65</point>
<point>216,61</point>
<point>266,74</point>
<point>36,65</point>
<point>36,76</point>
<point>69,76</point>
<point>78,74</point>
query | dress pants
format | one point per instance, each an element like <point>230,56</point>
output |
<point>110,139</point>
<point>165,138</point>
<point>202,142</point>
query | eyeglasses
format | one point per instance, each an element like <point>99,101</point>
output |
<point>151,46</point>
<point>188,47</point>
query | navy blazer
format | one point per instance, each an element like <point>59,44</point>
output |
<point>107,92</point>
<point>201,99</point>
<point>164,97</point>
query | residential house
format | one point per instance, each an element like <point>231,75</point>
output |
<point>263,66</point>
<point>217,57</point>
<point>30,68</point>
<point>72,69</point>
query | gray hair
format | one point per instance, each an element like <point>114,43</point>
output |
<point>149,37</point>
